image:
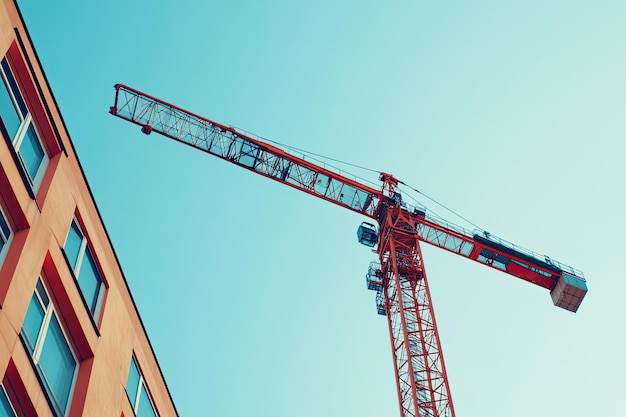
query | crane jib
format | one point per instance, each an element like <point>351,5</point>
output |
<point>566,284</point>
<point>227,143</point>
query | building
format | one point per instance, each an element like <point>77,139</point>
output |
<point>71,340</point>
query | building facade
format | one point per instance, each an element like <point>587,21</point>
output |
<point>71,340</point>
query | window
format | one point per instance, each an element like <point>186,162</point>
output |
<point>82,262</point>
<point>52,355</point>
<point>5,235</point>
<point>6,408</point>
<point>138,393</point>
<point>17,125</point>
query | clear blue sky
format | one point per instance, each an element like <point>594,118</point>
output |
<point>509,112</point>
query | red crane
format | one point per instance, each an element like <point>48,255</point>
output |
<point>398,278</point>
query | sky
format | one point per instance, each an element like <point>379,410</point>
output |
<point>253,294</point>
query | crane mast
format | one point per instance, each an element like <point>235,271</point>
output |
<point>398,277</point>
<point>421,379</point>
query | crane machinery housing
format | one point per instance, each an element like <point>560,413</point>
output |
<point>394,231</point>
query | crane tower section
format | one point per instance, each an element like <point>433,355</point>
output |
<point>421,378</point>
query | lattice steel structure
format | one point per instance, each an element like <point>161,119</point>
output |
<point>398,278</point>
<point>422,384</point>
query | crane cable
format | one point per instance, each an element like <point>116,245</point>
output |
<point>440,205</point>
<point>310,154</point>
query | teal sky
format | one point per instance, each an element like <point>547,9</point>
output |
<point>253,294</point>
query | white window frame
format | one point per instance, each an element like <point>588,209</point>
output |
<point>84,247</point>
<point>6,395</point>
<point>6,240</point>
<point>50,311</point>
<point>26,123</point>
<point>141,383</point>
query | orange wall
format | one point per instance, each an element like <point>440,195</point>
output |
<point>40,227</point>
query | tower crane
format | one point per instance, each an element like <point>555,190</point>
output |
<point>394,231</point>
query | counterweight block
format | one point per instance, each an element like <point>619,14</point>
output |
<point>569,292</point>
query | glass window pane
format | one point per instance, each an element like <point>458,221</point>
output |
<point>132,383</point>
<point>33,321</point>
<point>31,152</point>
<point>89,280</point>
<point>5,406</point>
<point>8,113</point>
<point>42,293</point>
<point>57,364</point>
<point>145,407</point>
<point>6,231</point>
<point>14,88</point>
<point>72,244</point>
